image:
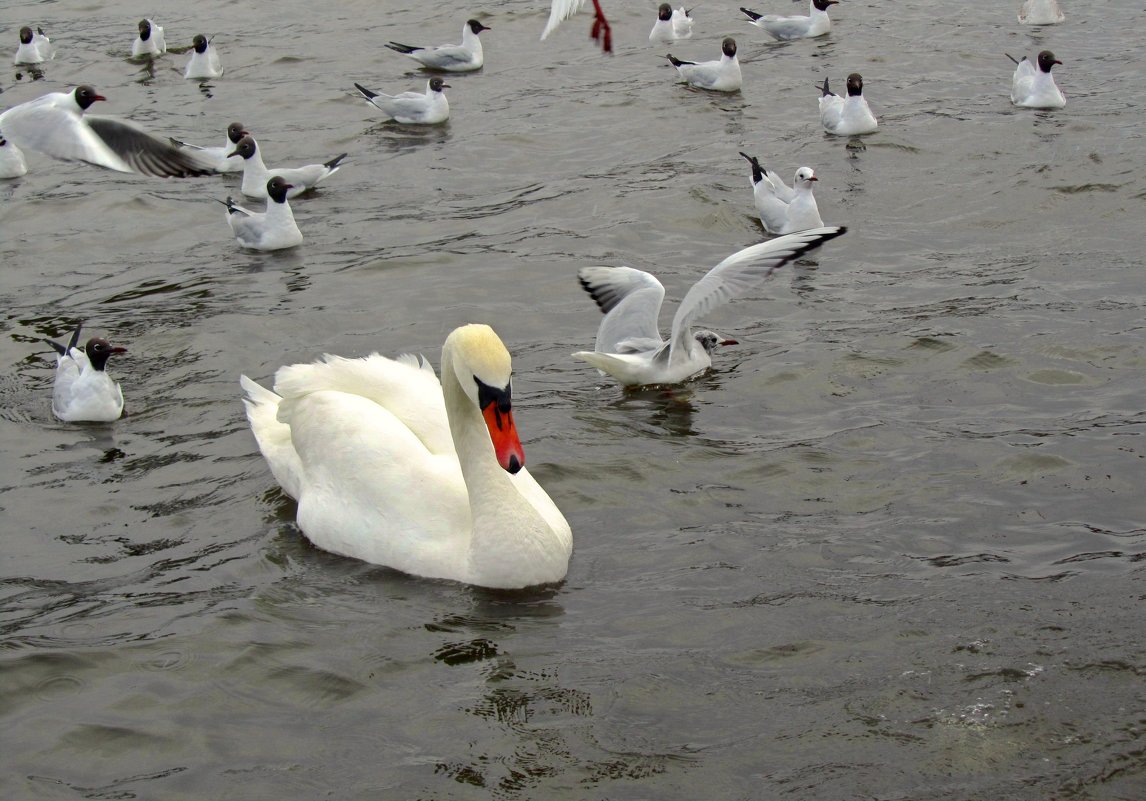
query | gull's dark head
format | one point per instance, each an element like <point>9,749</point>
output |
<point>664,13</point>
<point>245,147</point>
<point>236,132</point>
<point>855,84</point>
<point>277,189</point>
<point>728,47</point>
<point>25,35</point>
<point>86,95</point>
<point>199,43</point>
<point>476,26</point>
<point>1047,61</point>
<point>437,84</point>
<point>99,351</point>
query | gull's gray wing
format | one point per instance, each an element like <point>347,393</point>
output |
<point>740,272</point>
<point>631,300</point>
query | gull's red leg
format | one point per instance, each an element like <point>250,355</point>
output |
<point>601,30</point>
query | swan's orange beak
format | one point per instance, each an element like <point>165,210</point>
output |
<point>503,433</point>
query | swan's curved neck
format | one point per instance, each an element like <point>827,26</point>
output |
<point>508,532</point>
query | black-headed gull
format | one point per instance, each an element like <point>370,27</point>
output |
<point>83,391</point>
<point>35,47</point>
<point>272,229</point>
<point>1035,88</point>
<point>717,76</point>
<point>216,157</point>
<point>1040,12</point>
<point>629,345</point>
<point>797,27</point>
<point>465,57</point>
<point>784,209</point>
<point>56,124</point>
<point>846,116</point>
<point>149,41</point>
<point>561,10</point>
<point>204,62</point>
<point>12,162</point>
<point>671,25</point>
<point>412,108</point>
<point>256,174</point>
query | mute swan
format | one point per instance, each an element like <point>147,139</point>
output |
<point>393,467</point>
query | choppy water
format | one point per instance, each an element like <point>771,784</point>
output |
<point>890,549</point>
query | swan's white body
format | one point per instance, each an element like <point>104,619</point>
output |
<point>1034,86</point>
<point>12,162</point>
<point>393,467</point>
<point>1040,12</point>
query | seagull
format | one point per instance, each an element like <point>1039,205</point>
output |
<point>846,117</point>
<point>56,124</point>
<point>204,61</point>
<point>719,76</point>
<point>787,28</point>
<point>273,229</point>
<point>150,41</point>
<point>671,25</point>
<point>629,345</point>
<point>412,108</point>
<point>12,163</point>
<point>465,57</point>
<point>561,10</point>
<point>1035,88</point>
<point>784,209</point>
<point>216,157</point>
<point>1040,12</point>
<point>34,48</point>
<point>256,174</point>
<point>83,391</point>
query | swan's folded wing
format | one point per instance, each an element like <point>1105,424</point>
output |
<point>273,437</point>
<point>409,392</point>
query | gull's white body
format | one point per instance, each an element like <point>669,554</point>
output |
<point>1040,12</point>
<point>674,29</point>
<point>783,209</point>
<point>465,57</point>
<point>722,75</point>
<point>216,157</point>
<point>37,51</point>
<point>83,394</point>
<point>786,29</point>
<point>413,108</point>
<point>847,116</point>
<point>202,66</point>
<point>256,174</point>
<point>393,467</point>
<point>1033,88</point>
<point>56,124</point>
<point>154,45</point>
<point>629,345</point>
<point>273,229</point>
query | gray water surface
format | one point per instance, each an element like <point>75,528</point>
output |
<point>890,548</point>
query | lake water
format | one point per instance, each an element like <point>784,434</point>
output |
<point>890,548</point>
